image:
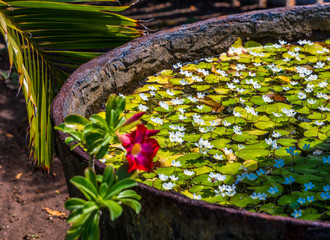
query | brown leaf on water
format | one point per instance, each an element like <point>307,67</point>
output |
<point>18,176</point>
<point>54,212</point>
<point>230,157</point>
<point>216,107</point>
<point>276,97</point>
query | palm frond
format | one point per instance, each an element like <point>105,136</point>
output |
<point>47,40</point>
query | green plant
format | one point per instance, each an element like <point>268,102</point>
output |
<point>47,40</point>
<point>107,191</point>
<point>98,135</point>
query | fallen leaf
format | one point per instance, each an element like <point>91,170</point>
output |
<point>54,212</point>
<point>216,107</point>
<point>9,135</point>
<point>192,8</point>
<point>276,97</point>
<point>230,157</point>
<point>18,176</point>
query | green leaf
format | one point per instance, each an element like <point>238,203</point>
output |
<point>135,205</point>
<point>114,208</point>
<point>129,194</point>
<point>85,186</point>
<point>230,168</point>
<point>287,199</point>
<point>241,200</point>
<point>74,203</point>
<point>119,186</point>
<point>76,122</point>
<point>108,176</point>
<point>91,176</point>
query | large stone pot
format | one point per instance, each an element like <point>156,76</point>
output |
<point>168,215</point>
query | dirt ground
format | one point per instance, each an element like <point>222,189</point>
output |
<point>25,197</point>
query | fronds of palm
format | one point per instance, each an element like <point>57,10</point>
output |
<point>47,40</point>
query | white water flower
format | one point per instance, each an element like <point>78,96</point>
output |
<point>152,88</point>
<point>241,100</point>
<point>237,130</point>
<point>277,114</point>
<point>197,78</point>
<point>240,146</point>
<point>323,84</point>
<point>197,197</point>
<point>267,99</point>
<point>162,177</point>
<point>203,130</point>
<point>176,163</point>
<point>237,114</point>
<point>231,86</point>
<point>143,97</point>
<point>183,82</point>
<point>168,186</point>
<point>276,134</point>
<point>182,117</point>
<point>169,92</point>
<point>227,151</point>
<point>323,108</point>
<point>311,101</point>
<point>188,173</point>
<point>319,123</point>
<point>164,105</point>
<point>218,157</point>
<point>173,178</point>
<point>178,65</point>
<point>225,123</point>
<point>200,95</point>
<point>200,107</point>
<point>301,95</point>
<point>319,65</point>
<point>289,112</point>
<point>282,42</point>
<point>157,120</point>
<point>286,88</point>
<point>142,107</point>
<point>177,101</point>
<point>317,152</point>
<point>192,99</point>
<point>240,67</point>
<point>181,110</point>
<point>277,45</point>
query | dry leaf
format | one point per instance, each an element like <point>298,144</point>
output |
<point>54,212</point>
<point>276,97</point>
<point>9,135</point>
<point>18,176</point>
<point>230,157</point>
<point>216,107</point>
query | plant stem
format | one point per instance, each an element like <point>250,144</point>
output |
<point>91,161</point>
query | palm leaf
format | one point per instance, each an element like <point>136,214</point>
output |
<point>46,41</point>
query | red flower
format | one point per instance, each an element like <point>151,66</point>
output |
<point>141,149</point>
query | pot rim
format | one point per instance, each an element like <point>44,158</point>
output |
<point>58,118</point>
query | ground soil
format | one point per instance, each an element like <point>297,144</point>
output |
<point>25,196</point>
<point>31,205</point>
